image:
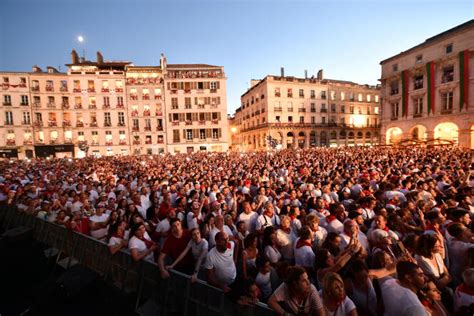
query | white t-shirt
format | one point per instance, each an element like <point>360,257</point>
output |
<point>263,281</point>
<point>304,255</point>
<point>286,242</point>
<point>213,233</point>
<point>101,232</point>
<point>265,221</point>
<point>319,237</point>
<point>250,220</point>
<point>193,221</point>
<point>312,304</point>
<point>223,264</point>
<point>429,268</point>
<point>394,294</point>
<point>343,309</point>
<point>272,254</point>
<point>140,245</point>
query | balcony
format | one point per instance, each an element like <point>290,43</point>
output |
<point>93,124</point>
<point>187,91</point>
<point>66,123</point>
<point>22,85</point>
<point>63,89</point>
<point>24,103</point>
<point>147,129</point>
<point>78,106</point>
<point>416,115</point>
<point>49,88</point>
<point>77,90</point>
<point>393,91</point>
<point>51,105</point>
<point>214,106</point>
<point>68,140</point>
<point>146,113</point>
<point>215,121</point>
<point>188,122</point>
<point>324,110</point>
<point>148,142</point>
<point>65,105</point>
<point>277,94</point>
<point>35,89</point>
<point>79,124</point>
<point>52,123</point>
<point>313,97</point>
<point>158,113</point>
<point>95,143</point>
<point>122,142</point>
<point>8,123</point>
<point>135,129</point>
<point>54,141</point>
<point>38,123</point>
<point>159,128</point>
<point>174,91</point>
<point>134,113</point>
<point>105,90</point>
<point>136,142</point>
<point>121,124</point>
<point>394,118</point>
<point>27,142</point>
<point>7,103</point>
<point>313,110</point>
<point>290,95</point>
<point>157,97</point>
<point>25,123</point>
<point>277,109</point>
<point>202,122</point>
<point>90,90</point>
<point>11,142</point>
<point>323,97</point>
<point>290,109</point>
<point>118,89</point>
<point>301,110</point>
<point>36,104</point>
<point>160,141</point>
<point>446,111</point>
<point>92,106</point>
<point>201,106</point>
<point>175,123</point>
<point>146,97</point>
<point>107,124</point>
<point>106,106</point>
<point>108,143</point>
<point>213,90</point>
<point>120,106</point>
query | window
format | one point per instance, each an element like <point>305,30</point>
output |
<point>376,110</point>
<point>301,93</point>
<point>447,101</point>
<point>215,133</point>
<point>449,48</point>
<point>323,95</point>
<point>105,86</point>
<point>24,100</point>
<point>312,94</point>
<point>26,118</point>
<point>448,74</point>
<point>343,108</point>
<point>107,120</point>
<point>301,119</point>
<point>49,85</point>
<point>187,103</point>
<point>313,120</point>
<point>290,119</point>
<point>7,100</point>
<point>63,85</point>
<point>277,92</point>
<point>202,134</point>
<point>419,58</point>
<point>313,107</point>
<point>77,86</point>
<point>290,106</point>
<point>351,109</point>
<point>418,107</point>
<point>333,95</point>
<point>290,93</point>
<point>323,108</point>
<point>6,80</point>
<point>121,119</point>
<point>359,97</point>
<point>90,86</point>
<point>342,120</point>
<point>418,82</point>
<point>395,67</point>
<point>376,99</point>
<point>277,118</point>
<point>333,108</point>
<point>394,109</point>
<point>8,118</point>
<point>323,119</point>
<point>214,85</point>
<point>120,101</point>
<point>176,138</point>
<point>369,98</point>
<point>343,96</point>
<point>106,102</point>
<point>189,134</point>
<point>174,103</point>
<point>394,87</point>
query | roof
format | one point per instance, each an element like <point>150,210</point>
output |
<point>185,66</point>
<point>104,64</point>
<point>433,39</point>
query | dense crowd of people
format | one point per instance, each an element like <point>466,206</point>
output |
<point>327,231</point>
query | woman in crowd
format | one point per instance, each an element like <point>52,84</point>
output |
<point>296,296</point>
<point>334,298</point>
<point>270,246</point>
<point>249,256</point>
<point>141,246</point>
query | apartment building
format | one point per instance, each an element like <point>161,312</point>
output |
<point>427,91</point>
<point>112,107</point>
<point>289,112</point>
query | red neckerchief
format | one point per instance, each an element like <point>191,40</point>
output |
<point>147,242</point>
<point>386,229</point>
<point>427,304</point>
<point>330,218</point>
<point>292,217</point>
<point>229,246</point>
<point>430,226</point>
<point>286,230</point>
<point>199,221</point>
<point>302,243</point>
<point>465,289</point>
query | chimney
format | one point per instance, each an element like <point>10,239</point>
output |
<point>320,74</point>
<point>306,74</point>
<point>100,58</point>
<point>282,72</point>
<point>74,57</point>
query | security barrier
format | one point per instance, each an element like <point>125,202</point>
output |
<point>155,296</point>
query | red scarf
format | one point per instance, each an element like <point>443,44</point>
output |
<point>147,242</point>
<point>330,218</point>
<point>386,229</point>
<point>465,289</point>
<point>302,243</point>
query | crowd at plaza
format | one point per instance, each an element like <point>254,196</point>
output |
<point>327,231</point>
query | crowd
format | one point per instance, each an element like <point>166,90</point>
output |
<point>327,231</point>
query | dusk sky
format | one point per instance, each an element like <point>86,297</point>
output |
<point>250,39</point>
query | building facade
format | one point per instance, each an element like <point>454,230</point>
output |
<point>427,91</point>
<point>109,108</point>
<point>289,112</point>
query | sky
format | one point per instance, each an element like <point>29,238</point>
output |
<point>251,39</point>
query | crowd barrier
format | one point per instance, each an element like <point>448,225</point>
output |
<point>155,296</point>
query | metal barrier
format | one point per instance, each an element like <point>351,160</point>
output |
<point>173,296</point>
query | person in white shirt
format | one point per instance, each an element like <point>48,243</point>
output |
<point>219,227</point>
<point>268,218</point>
<point>141,246</point>
<point>304,255</point>
<point>352,229</point>
<point>248,216</point>
<point>334,298</point>
<point>458,248</point>
<point>220,263</point>
<point>286,238</point>
<point>399,296</point>
<point>98,223</point>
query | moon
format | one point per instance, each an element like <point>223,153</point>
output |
<point>80,38</point>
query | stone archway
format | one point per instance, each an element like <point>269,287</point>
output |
<point>301,139</point>
<point>418,132</point>
<point>446,131</point>
<point>394,135</point>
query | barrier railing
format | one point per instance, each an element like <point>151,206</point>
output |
<point>176,295</point>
